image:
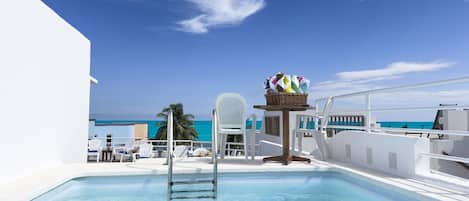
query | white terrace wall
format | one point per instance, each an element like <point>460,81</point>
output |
<point>394,154</point>
<point>44,87</point>
<point>121,133</point>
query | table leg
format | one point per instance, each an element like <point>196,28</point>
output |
<point>285,158</point>
<point>286,134</point>
<point>282,159</point>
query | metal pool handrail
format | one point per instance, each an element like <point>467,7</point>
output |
<point>169,136</point>
<point>215,152</point>
<point>171,182</point>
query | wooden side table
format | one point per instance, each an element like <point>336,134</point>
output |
<point>285,158</point>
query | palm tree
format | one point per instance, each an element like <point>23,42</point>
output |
<point>183,124</point>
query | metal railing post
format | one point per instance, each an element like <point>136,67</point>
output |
<point>169,136</point>
<point>368,113</point>
<point>214,152</point>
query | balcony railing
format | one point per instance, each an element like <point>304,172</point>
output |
<point>329,102</point>
<point>160,146</point>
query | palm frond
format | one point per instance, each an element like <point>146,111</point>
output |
<point>183,123</point>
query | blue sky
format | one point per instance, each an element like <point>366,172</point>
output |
<point>150,53</point>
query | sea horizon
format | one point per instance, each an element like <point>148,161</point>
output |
<point>204,127</point>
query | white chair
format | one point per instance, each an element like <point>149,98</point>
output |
<point>231,119</point>
<point>145,150</point>
<point>94,148</point>
<point>181,151</point>
<point>124,151</point>
<point>302,122</point>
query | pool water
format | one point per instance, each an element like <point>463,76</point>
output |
<point>292,186</point>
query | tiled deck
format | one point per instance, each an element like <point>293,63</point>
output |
<point>34,185</point>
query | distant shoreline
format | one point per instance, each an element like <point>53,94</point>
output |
<point>204,127</point>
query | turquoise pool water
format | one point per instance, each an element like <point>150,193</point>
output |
<point>297,186</point>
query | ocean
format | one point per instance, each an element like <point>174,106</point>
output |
<point>204,128</point>
<point>403,124</point>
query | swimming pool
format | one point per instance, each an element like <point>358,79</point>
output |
<point>265,186</point>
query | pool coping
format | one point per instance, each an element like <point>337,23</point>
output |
<point>38,184</point>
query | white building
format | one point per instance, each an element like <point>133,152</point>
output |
<point>45,89</point>
<point>121,132</point>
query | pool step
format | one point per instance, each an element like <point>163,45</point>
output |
<point>194,191</point>
<point>195,197</point>
<point>208,181</point>
<point>189,193</point>
<point>211,191</point>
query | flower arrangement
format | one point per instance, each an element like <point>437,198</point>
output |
<point>281,83</point>
<point>282,89</point>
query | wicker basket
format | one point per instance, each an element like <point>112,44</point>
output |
<point>286,99</point>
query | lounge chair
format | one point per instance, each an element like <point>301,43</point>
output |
<point>200,152</point>
<point>126,151</point>
<point>231,118</point>
<point>94,148</point>
<point>181,151</point>
<point>145,150</point>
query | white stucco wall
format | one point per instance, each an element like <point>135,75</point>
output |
<point>121,133</point>
<point>407,150</point>
<point>44,87</point>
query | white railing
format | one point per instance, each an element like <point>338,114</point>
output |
<point>161,145</point>
<point>402,88</point>
<point>347,127</point>
<point>157,143</point>
<point>446,157</point>
<point>329,102</point>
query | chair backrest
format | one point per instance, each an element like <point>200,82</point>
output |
<point>304,122</point>
<point>94,144</point>
<point>231,111</point>
<point>180,151</point>
<point>145,150</point>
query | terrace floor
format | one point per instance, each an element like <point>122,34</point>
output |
<point>34,185</point>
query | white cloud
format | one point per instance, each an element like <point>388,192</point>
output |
<point>219,12</point>
<point>394,69</point>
